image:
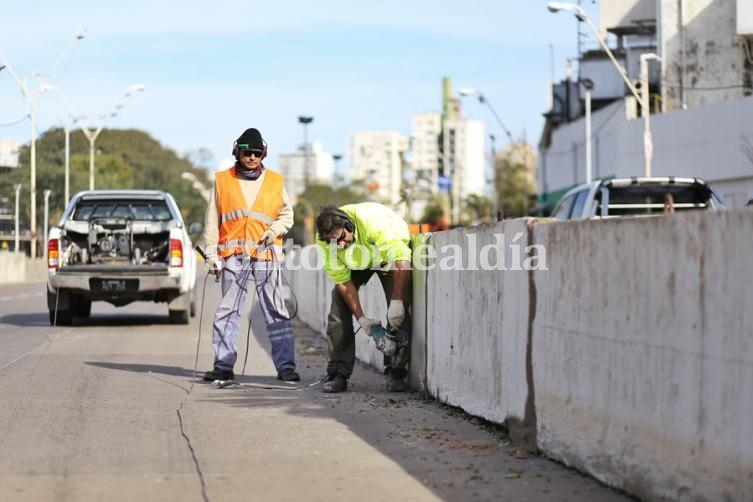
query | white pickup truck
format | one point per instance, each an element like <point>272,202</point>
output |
<point>619,197</point>
<point>120,246</point>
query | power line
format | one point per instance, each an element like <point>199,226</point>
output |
<point>16,122</point>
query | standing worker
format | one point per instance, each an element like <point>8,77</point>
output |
<point>247,215</point>
<point>380,240</point>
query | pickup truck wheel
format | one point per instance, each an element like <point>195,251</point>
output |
<point>178,316</point>
<point>64,318</point>
<point>81,307</point>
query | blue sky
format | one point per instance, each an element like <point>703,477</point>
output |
<point>214,68</point>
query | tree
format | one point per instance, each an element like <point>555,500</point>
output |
<point>478,208</point>
<point>514,182</point>
<point>201,157</point>
<point>311,200</point>
<point>434,212</point>
<point>124,159</point>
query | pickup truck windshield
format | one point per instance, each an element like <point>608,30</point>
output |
<point>151,210</point>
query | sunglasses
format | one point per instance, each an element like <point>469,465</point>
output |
<point>338,238</point>
<point>253,152</point>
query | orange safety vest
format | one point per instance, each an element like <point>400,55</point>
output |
<point>241,227</point>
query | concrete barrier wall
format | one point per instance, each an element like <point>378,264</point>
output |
<point>643,352</point>
<point>477,320</point>
<point>17,267</point>
<point>630,357</point>
<point>311,286</point>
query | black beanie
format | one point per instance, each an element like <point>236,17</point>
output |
<point>250,139</point>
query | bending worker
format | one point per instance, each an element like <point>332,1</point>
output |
<point>380,240</point>
<point>247,215</point>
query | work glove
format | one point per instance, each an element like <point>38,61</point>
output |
<point>367,324</point>
<point>268,238</point>
<point>395,314</point>
<point>213,266</point>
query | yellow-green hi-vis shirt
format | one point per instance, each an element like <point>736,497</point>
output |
<point>381,237</point>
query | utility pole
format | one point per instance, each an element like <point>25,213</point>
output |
<point>305,121</point>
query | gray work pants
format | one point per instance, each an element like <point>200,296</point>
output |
<point>238,271</point>
<point>341,335</point>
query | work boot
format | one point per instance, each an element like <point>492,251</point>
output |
<point>396,383</point>
<point>217,374</point>
<point>335,384</point>
<point>289,375</point>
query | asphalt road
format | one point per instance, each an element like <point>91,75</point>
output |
<point>110,410</point>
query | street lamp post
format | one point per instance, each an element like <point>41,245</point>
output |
<point>32,98</point>
<point>581,15</point>
<point>67,132</point>
<point>46,213</point>
<point>467,91</point>
<point>646,112</point>
<point>18,189</point>
<point>588,85</point>
<point>92,135</point>
<point>495,191</point>
<point>305,121</point>
<point>338,177</point>
<point>337,157</point>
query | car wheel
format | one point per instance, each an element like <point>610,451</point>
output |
<point>81,307</point>
<point>64,318</point>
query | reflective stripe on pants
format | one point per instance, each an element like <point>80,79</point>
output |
<point>238,272</point>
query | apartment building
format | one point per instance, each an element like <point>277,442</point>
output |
<point>376,161</point>
<point>300,169</point>
<point>8,153</point>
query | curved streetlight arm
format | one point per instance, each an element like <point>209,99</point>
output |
<point>482,99</point>
<point>32,99</point>
<point>92,135</point>
<point>7,66</point>
<point>119,103</point>
<point>67,51</point>
<point>466,91</point>
<point>581,14</point>
<point>63,55</point>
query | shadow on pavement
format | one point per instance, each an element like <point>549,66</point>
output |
<point>144,368</point>
<point>121,320</point>
<point>455,455</point>
<point>32,319</point>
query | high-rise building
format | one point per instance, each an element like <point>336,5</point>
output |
<point>376,161</point>
<point>8,153</point>
<point>464,160</point>
<point>300,169</point>
<point>447,156</point>
<point>444,155</point>
<point>426,129</point>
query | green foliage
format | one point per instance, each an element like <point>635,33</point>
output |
<point>478,208</point>
<point>433,213</point>
<point>124,159</point>
<point>515,191</point>
<point>314,197</point>
<point>515,181</point>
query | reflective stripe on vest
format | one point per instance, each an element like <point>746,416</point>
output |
<point>241,227</point>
